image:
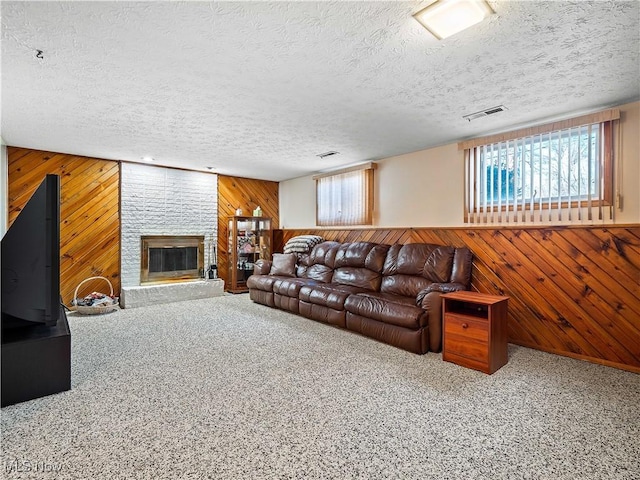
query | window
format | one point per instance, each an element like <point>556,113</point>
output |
<point>345,197</point>
<point>560,171</point>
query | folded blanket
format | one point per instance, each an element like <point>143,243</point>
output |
<point>302,243</point>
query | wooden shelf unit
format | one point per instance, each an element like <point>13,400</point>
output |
<point>475,330</point>
<point>250,239</point>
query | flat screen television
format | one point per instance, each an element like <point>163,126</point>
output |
<point>31,261</point>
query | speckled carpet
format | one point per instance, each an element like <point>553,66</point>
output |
<point>226,389</point>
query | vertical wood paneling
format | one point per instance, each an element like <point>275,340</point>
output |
<point>247,194</point>
<point>574,291</point>
<point>89,213</point>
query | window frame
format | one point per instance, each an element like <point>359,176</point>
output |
<point>366,202</point>
<point>478,211</point>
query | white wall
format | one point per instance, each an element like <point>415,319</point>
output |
<point>163,201</point>
<point>297,203</point>
<point>628,175</point>
<point>426,188</point>
<point>421,188</point>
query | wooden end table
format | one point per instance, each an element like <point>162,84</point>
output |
<point>475,330</point>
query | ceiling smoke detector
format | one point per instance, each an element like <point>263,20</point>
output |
<point>327,154</point>
<point>484,113</point>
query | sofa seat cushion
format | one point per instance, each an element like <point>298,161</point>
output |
<point>262,282</point>
<point>329,295</point>
<point>387,308</point>
<point>410,268</point>
<point>290,287</point>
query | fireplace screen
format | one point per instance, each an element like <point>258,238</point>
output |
<point>170,258</point>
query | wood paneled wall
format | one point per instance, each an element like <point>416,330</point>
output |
<point>574,291</point>
<point>89,213</point>
<point>247,194</point>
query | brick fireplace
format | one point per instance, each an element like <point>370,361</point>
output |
<point>157,205</point>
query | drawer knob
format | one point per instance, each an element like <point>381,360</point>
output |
<point>465,325</point>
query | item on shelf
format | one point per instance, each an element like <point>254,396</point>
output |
<point>238,212</point>
<point>246,244</point>
<point>257,212</point>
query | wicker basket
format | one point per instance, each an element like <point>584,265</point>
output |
<point>94,310</point>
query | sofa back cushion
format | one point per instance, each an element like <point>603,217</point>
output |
<point>360,264</point>
<point>461,270</point>
<point>302,265</point>
<point>412,267</point>
<point>321,261</point>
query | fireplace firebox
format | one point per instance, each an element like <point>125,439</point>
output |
<point>171,258</point>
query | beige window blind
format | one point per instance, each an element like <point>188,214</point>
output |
<point>345,197</point>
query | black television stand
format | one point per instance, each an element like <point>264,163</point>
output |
<point>36,361</point>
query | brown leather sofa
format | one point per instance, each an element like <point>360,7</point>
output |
<point>387,292</point>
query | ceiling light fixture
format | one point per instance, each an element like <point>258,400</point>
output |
<point>148,159</point>
<point>444,18</point>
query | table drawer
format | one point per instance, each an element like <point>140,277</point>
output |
<point>465,326</point>
<point>466,337</point>
<point>477,364</point>
<point>467,348</point>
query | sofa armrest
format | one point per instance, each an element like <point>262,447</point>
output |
<point>440,288</point>
<point>262,267</point>
<point>429,299</point>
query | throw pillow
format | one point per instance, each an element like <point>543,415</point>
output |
<point>283,264</point>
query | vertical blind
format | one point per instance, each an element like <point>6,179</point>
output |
<point>345,197</point>
<point>557,172</point>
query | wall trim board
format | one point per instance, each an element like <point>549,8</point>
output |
<point>575,289</point>
<point>471,227</point>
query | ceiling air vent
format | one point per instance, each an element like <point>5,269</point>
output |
<point>327,154</point>
<point>484,113</point>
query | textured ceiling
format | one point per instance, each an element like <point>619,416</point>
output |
<point>258,89</point>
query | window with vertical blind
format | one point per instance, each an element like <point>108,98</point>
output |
<point>345,197</point>
<point>556,172</point>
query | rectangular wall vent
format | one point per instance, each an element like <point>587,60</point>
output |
<point>484,113</point>
<point>327,154</point>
